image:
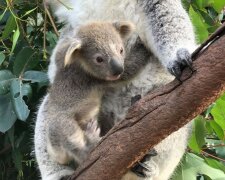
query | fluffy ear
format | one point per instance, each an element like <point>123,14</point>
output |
<point>125,28</point>
<point>74,47</point>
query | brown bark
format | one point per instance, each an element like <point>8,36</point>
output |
<point>157,115</point>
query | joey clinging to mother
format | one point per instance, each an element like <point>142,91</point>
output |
<point>88,63</point>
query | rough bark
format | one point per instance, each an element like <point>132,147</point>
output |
<point>160,113</point>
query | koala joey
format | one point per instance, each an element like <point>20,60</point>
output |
<point>89,62</point>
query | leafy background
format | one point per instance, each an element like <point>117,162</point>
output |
<point>27,37</point>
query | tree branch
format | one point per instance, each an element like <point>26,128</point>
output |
<point>160,113</point>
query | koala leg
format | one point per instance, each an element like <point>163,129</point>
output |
<point>169,153</point>
<point>53,150</point>
<point>49,169</point>
<point>72,142</point>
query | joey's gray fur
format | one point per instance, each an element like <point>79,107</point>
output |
<point>67,117</point>
<point>166,30</point>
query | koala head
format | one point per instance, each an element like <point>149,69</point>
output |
<point>99,48</point>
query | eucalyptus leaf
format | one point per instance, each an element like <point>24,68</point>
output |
<point>36,76</point>
<point>16,35</point>
<point>215,164</point>
<point>197,139</point>
<point>194,165</point>
<point>218,130</point>
<point>7,115</point>
<point>23,60</point>
<point>9,27</point>
<point>20,107</point>
<point>27,90</point>
<point>200,27</point>
<point>5,79</point>
<point>218,5</point>
<point>218,112</point>
<point>2,15</point>
<point>2,58</point>
<point>17,159</point>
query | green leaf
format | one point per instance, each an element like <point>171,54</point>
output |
<point>215,164</point>
<point>207,19</point>
<point>220,151</point>
<point>2,58</point>
<point>197,139</point>
<point>19,105</point>
<point>218,5</point>
<point>17,159</point>
<point>193,166</point>
<point>200,28</point>
<point>218,112</point>
<point>223,97</point>
<point>199,3</point>
<point>7,114</point>
<point>27,90</point>
<point>2,15</point>
<point>218,130</point>
<point>207,3</point>
<point>5,80</point>
<point>30,11</point>
<point>9,27</point>
<point>209,128</point>
<point>23,60</point>
<point>52,38</point>
<point>16,35</point>
<point>36,76</point>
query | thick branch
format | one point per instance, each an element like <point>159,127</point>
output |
<point>157,115</point>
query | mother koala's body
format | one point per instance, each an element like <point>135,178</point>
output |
<point>165,29</point>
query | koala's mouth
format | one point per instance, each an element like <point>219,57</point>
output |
<point>113,78</point>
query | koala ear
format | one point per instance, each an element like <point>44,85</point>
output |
<point>125,28</point>
<point>74,47</point>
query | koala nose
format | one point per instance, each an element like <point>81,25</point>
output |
<point>116,67</point>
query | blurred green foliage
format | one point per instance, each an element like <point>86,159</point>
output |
<point>26,41</point>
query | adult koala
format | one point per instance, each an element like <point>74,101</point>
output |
<point>165,29</point>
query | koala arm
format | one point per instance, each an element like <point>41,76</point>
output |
<point>168,32</point>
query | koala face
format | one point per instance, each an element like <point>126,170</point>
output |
<point>100,49</point>
<point>103,58</point>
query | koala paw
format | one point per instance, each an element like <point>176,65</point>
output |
<point>146,168</point>
<point>93,131</point>
<point>183,60</point>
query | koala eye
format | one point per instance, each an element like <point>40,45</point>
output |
<point>99,59</point>
<point>121,50</point>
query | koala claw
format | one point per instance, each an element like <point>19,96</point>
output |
<point>183,60</point>
<point>142,169</point>
<point>93,131</point>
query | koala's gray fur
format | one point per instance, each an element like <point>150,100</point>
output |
<point>166,30</point>
<point>67,117</point>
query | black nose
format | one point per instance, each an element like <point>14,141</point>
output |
<point>116,67</point>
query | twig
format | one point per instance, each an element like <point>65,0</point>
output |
<point>215,157</point>
<point>66,6</point>
<point>51,19</point>
<point>44,40</point>
<point>214,146</point>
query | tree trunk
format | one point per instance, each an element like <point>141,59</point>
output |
<point>158,114</point>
